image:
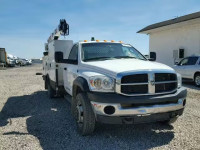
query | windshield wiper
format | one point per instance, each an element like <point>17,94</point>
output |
<point>98,58</point>
<point>128,57</point>
<point>125,57</point>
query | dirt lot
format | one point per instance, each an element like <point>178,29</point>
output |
<point>29,120</point>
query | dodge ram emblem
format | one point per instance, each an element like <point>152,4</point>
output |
<point>152,82</point>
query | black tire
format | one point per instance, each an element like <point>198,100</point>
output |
<point>45,84</point>
<point>170,121</point>
<point>83,114</point>
<point>51,91</point>
<point>197,80</point>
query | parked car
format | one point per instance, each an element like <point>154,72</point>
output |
<point>22,62</point>
<point>29,61</point>
<point>14,58</point>
<point>10,62</point>
<point>189,68</point>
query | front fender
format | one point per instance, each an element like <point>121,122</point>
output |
<point>81,83</point>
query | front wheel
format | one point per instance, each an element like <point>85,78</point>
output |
<point>83,114</point>
<point>197,80</point>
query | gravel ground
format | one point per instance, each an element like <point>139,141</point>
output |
<point>29,120</point>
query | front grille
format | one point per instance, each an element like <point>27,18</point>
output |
<point>165,77</point>
<point>165,87</point>
<point>136,89</point>
<point>148,83</point>
<point>136,78</point>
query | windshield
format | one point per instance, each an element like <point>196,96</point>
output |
<point>105,51</point>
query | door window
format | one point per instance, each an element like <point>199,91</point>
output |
<point>74,53</point>
<point>183,62</point>
<point>192,60</point>
<point>188,61</point>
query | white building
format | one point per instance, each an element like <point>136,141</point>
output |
<point>174,39</point>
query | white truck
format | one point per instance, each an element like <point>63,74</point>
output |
<point>110,82</point>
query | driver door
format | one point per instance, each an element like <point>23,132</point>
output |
<point>70,72</point>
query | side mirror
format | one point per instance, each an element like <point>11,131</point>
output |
<point>58,57</point>
<point>152,56</point>
<point>45,53</point>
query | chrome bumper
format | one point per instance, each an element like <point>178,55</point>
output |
<point>141,110</point>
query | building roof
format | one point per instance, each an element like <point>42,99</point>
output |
<point>171,21</point>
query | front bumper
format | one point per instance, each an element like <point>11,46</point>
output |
<point>137,119</point>
<point>118,110</point>
<point>114,106</point>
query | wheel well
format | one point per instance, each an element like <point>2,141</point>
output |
<point>196,74</point>
<point>76,90</point>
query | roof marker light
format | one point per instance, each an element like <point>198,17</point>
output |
<point>105,40</point>
<point>112,41</point>
<point>97,40</point>
<point>85,40</point>
<point>120,42</point>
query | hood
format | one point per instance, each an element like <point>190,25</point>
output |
<point>116,66</point>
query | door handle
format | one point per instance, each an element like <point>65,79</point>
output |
<point>65,68</point>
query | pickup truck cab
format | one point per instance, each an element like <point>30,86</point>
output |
<point>113,83</point>
<point>189,68</point>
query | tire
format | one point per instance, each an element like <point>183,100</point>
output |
<point>170,121</point>
<point>51,91</point>
<point>197,80</point>
<point>83,114</point>
<point>45,84</point>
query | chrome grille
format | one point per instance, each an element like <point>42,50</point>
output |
<point>146,83</point>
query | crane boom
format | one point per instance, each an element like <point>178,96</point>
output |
<point>62,29</point>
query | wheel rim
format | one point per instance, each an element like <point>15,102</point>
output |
<point>197,80</point>
<point>79,113</point>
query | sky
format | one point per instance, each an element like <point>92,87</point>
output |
<point>26,25</point>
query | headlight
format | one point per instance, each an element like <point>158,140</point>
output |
<point>179,78</point>
<point>101,83</point>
